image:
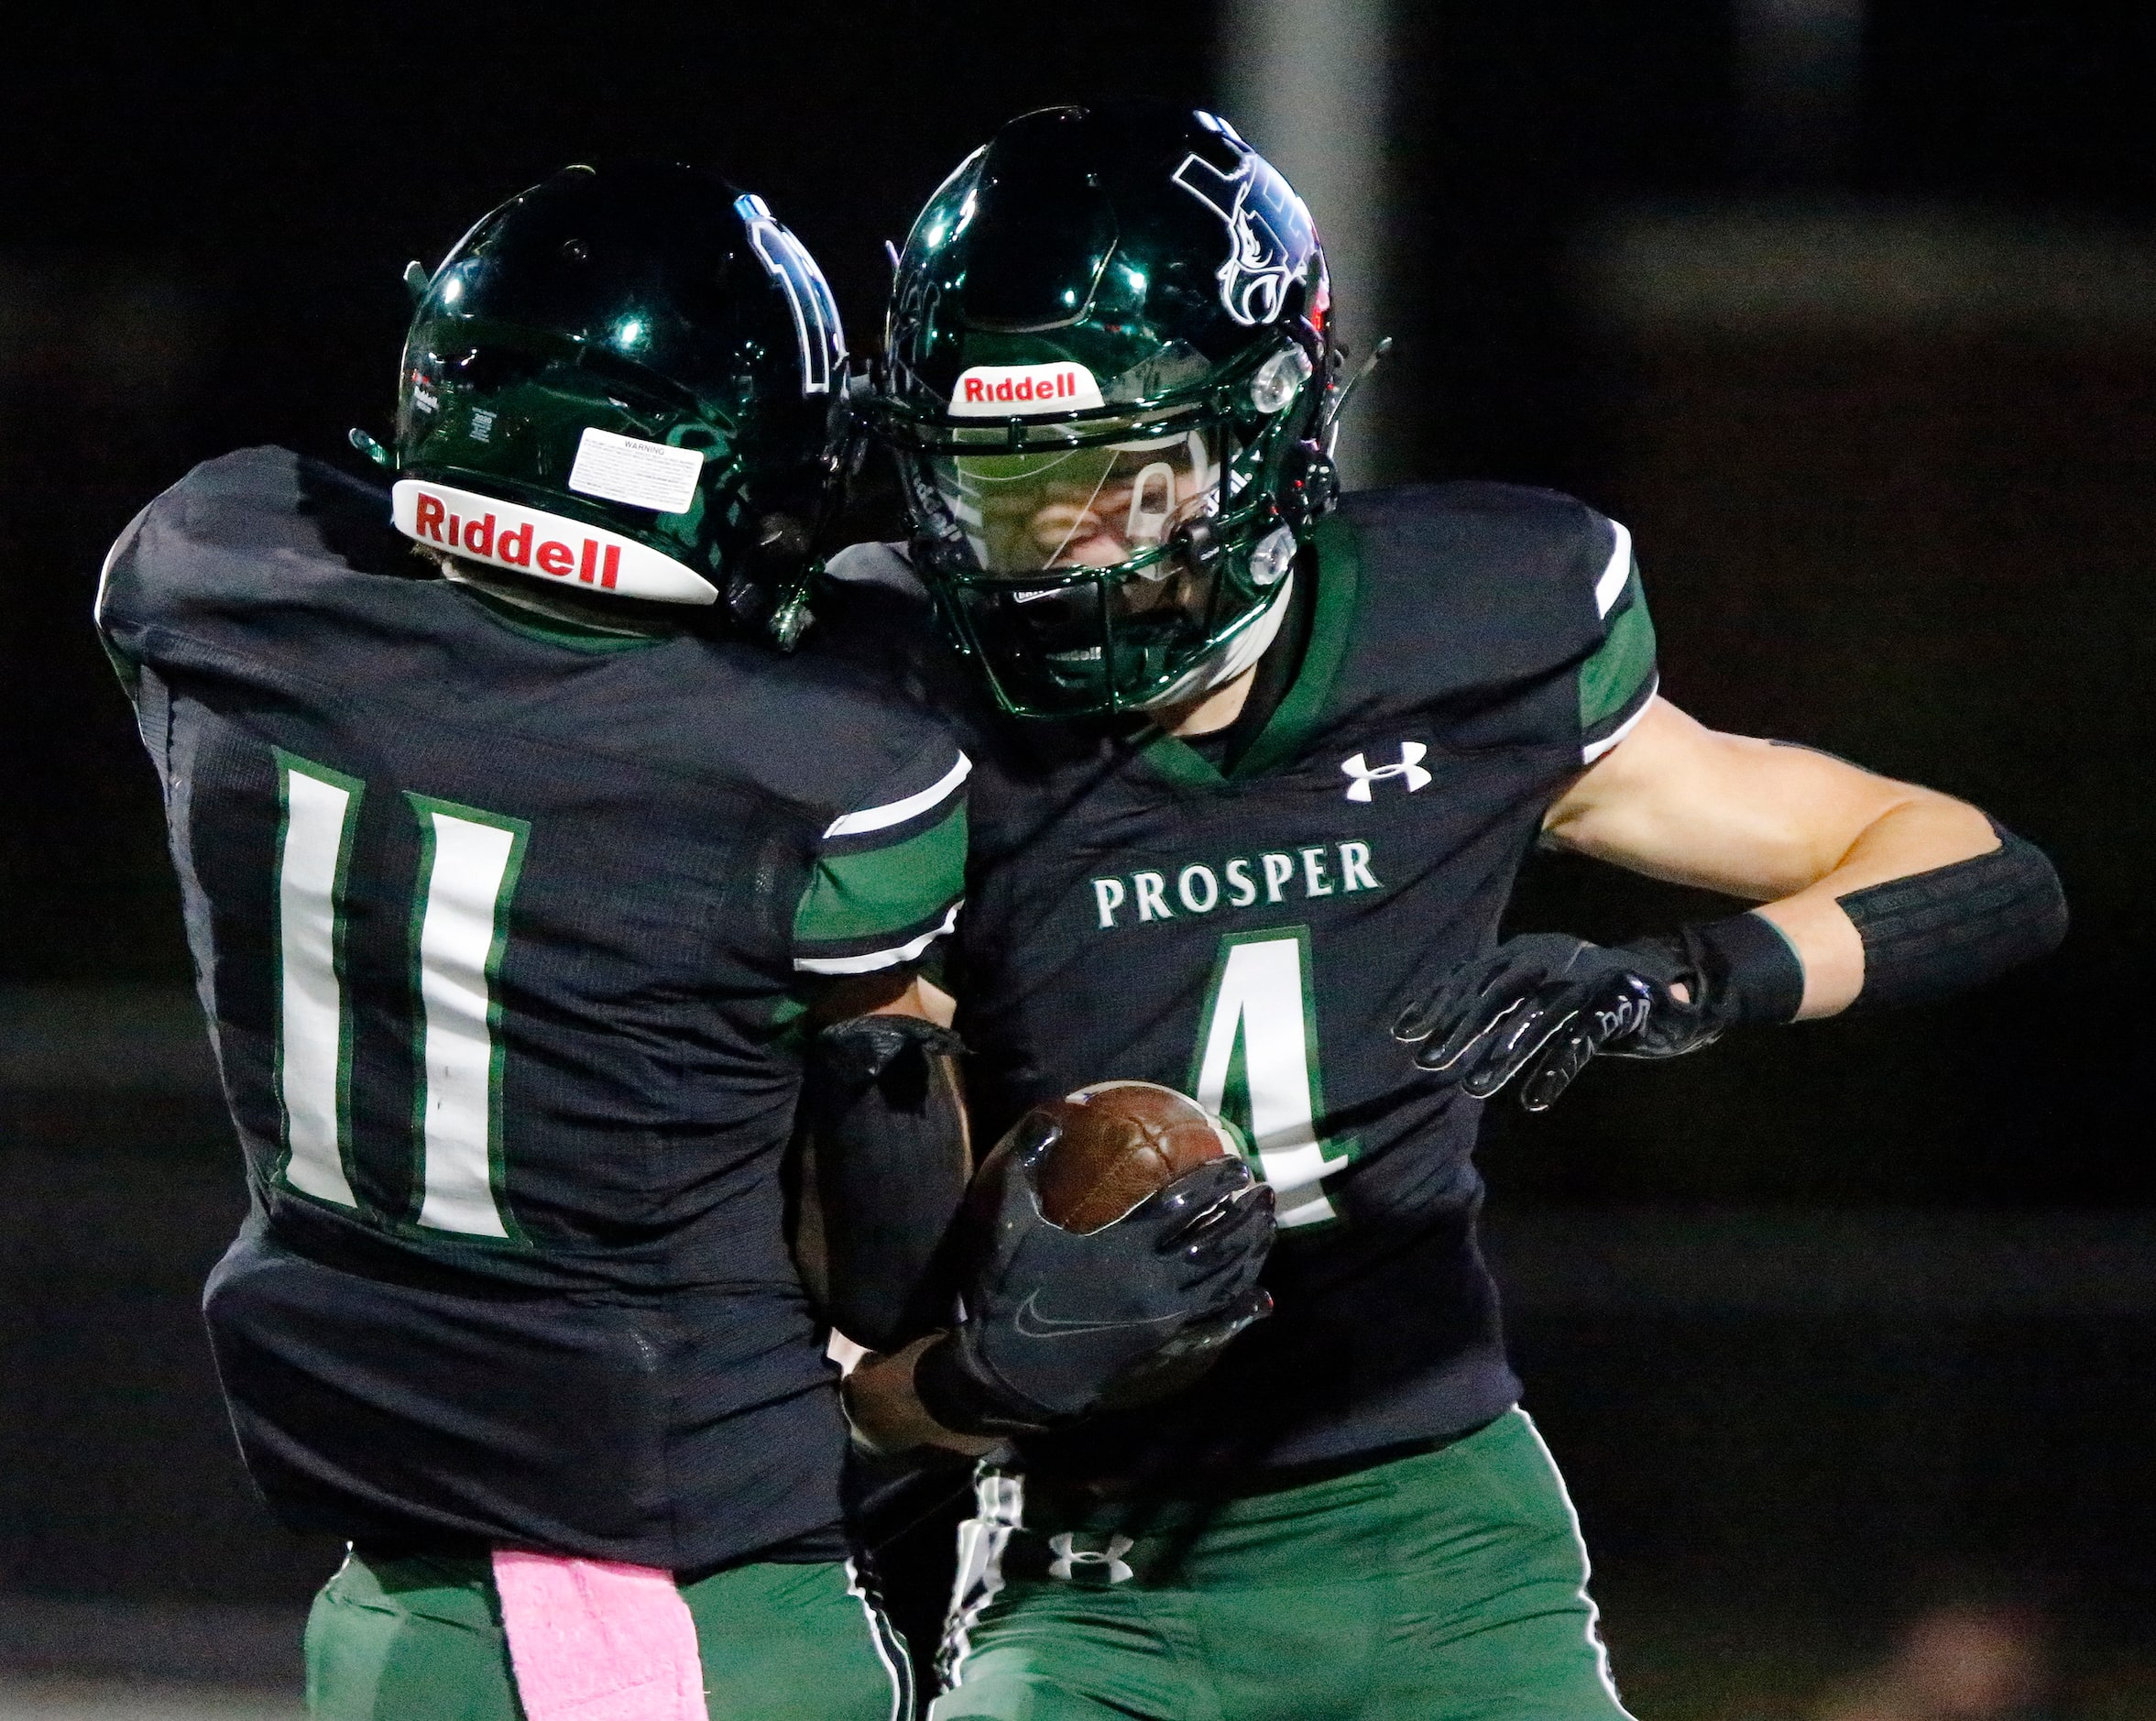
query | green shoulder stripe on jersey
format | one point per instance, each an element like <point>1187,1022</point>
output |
<point>1339,573</point>
<point>870,903</point>
<point>1616,682</point>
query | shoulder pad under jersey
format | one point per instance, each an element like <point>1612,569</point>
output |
<point>1470,592</point>
<point>255,526</point>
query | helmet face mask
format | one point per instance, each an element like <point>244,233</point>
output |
<point>1110,526</point>
<point>638,356</point>
<point>1097,570</point>
<point>1103,388</point>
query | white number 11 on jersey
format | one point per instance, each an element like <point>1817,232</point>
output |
<point>1257,1066</point>
<point>468,874</point>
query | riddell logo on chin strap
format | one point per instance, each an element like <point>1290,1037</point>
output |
<point>511,545</point>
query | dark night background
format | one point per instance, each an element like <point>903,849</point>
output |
<point>1822,1323</point>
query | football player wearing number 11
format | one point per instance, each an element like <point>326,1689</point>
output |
<point>1254,774</point>
<point>512,856</point>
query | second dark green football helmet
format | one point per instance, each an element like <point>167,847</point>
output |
<point>1108,369</point>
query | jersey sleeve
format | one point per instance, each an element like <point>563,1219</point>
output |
<point>1618,681</point>
<point>889,875</point>
<point>112,611</point>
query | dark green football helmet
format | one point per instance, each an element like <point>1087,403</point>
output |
<point>622,381</point>
<point>1108,379</point>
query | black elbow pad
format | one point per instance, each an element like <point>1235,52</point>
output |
<point>881,1100</point>
<point>1956,926</point>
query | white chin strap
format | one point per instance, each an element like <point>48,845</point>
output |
<point>1243,650</point>
<point>547,549</point>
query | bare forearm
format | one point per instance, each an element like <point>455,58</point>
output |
<point>1924,832</point>
<point>887,1414</point>
<point>1870,892</point>
<point>1794,831</point>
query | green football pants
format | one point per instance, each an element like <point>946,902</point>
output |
<point>1444,1586</point>
<point>421,1639</point>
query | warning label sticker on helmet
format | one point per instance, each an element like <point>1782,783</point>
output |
<point>1018,391</point>
<point>628,469</point>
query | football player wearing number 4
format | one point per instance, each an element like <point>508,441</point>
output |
<point>1254,776</point>
<point>512,856</point>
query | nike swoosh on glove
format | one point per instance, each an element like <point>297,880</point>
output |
<point>1539,1007</point>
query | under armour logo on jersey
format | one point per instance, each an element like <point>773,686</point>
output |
<point>1095,1562</point>
<point>1410,767</point>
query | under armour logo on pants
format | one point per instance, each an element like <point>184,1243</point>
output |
<point>1097,1561</point>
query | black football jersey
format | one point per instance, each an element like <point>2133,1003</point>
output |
<point>503,927</point>
<point>1250,937</point>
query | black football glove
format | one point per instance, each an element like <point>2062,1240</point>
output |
<point>1539,1006</point>
<point>1060,1322</point>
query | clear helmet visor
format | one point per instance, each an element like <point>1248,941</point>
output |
<point>1028,513</point>
<point>1075,582</point>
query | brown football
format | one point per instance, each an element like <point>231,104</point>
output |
<point>1121,1140</point>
